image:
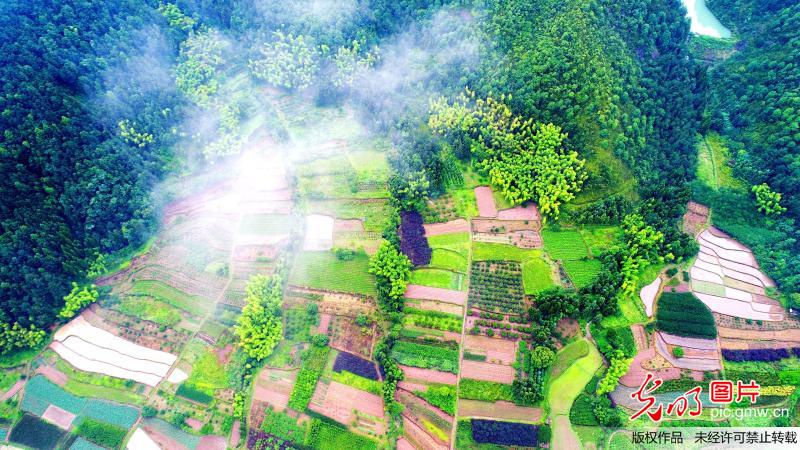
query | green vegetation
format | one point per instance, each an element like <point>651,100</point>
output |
<point>444,279</point>
<point>487,391</point>
<point>567,356</point>
<point>327,435</point>
<point>77,299</point>
<point>145,308</point>
<point>768,201</point>
<point>526,160</point>
<point>566,244</point>
<point>168,294</point>
<point>426,356</point>
<point>442,396</point>
<point>432,319</point>
<point>446,259</point>
<point>260,328</point>
<point>323,270</point>
<point>314,359</point>
<point>713,163</point>
<point>194,394</point>
<point>101,433</point>
<point>582,272</point>
<point>358,382</point>
<point>536,273</point>
<point>392,270</point>
<point>683,314</point>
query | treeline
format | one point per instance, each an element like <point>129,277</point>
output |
<point>86,116</point>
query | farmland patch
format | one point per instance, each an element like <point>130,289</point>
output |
<point>496,286</point>
<point>323,270</point>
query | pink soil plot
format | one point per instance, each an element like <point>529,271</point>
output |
<point>637,374</point>
<point>403,444</point>
<point>790,335</point>
<point>348,225</point>
<point>419,437</point>
<point>54,414</point>
<point>415,291</point>
<point>428,375</point>
<point>685,363</point>
<point>274,387</point>
<point>453,226</point>
<point>411,386</point>
<point>340,403</point>
<point>51,373</point>
<point>649,294</point>
<point>687,342</point>
<point>501,351</point>
<point>235,434</point>
<point>193,423</point>
<point>485,200</point>
<point>487,372</point>
<point>497,410</point>
<point>529,212</point>
<point>12,391</point>
<point>639,337</point>
<point>212,443</point>
<point>162,439</point>
<point>324,322</point>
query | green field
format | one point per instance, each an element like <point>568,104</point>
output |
<point>149,309</point>
<point>712,163</point>
<point>565,388</point>
<point>599,237</point>
<point>582,272</point>
<point>564,244</point>
<point>322,270</point>
<point>536,272</point>
<point>373,213</point>
<point>444,279</point>
<point>168,294</point>
<point>567,356</point>
<point>446,240</point>
<point>449,260</point>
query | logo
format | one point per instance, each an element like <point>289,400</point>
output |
<point>720,392</point>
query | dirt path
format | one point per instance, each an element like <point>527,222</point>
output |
<point>563,391</point>
<point>463,342</point>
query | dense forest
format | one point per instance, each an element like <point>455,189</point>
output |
<point>755,105</point>
<point>95,101</point>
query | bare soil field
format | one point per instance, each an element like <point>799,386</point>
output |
<point>346,335</point>
<point>487,371</point>
<point>419,438</point>
<point>433,305</point>
<point>51,373</point>
<point>428,375</point>
<point>431,293</point>
<point>568,328</point>
<point>498,410</point>
<point>346,404</point>
<point>403,444</point>
<point>453,226</point>
<point>324,323</point>
<point>144,333</point>
<point>485,201</point>
<point>530,212</point>
<point>497,351</point>
<point>432,421</point>
<point>639,337</point>
<point>348,225</point>
<point>337,303</point>
<point>274,386</point>
<point>695,219</point>
<point>63,419</point>
<point>637,373</point>
<point>687,342</point>
<point>703,364</point>
<point>789,335</point>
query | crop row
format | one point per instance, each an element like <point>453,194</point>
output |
<point>355,364</point>
<point>426,356</point>
<point>761,354</point>
<point>496,286</point>
<point>314,360</point>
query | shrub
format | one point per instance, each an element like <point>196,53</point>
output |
<point>678,352</point>
<point>504,433</point>
<point>355,364</point>
<point>344,254</point>
<point>545,434</point>
<point>101,433</point>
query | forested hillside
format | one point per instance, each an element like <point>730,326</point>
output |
<point>755,104</point>
<point>75,75</point>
